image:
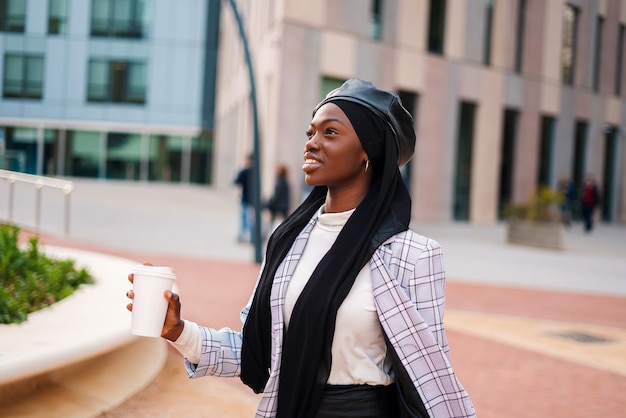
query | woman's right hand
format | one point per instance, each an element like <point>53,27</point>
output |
<point>173,324</point>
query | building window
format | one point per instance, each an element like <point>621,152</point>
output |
<point>521,29</point>
<point>488,29</point>
<point>597,53</point>
<point>464,150</point>
<point>12,15</point>
<point>165,158</point>
<point>544,176</point>
<point>83,152</point>
<point>23,76</point>
<point>116,81</point>
<point>409,101</point>
<point>507,159</point>
<point>123,156</point>
<point>118,18</point>
<point>376,19</point>
<point>578,161</point>
<point>568,55</point>
<point>620,61</point>
<point>609,180</point>
<point>329,84</point>
<point>57,17</point>
<point>437,25</point>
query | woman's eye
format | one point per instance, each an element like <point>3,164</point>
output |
<point>330,131</point>
<point>309,134</point>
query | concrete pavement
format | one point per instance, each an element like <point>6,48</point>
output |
<point>546,327</point>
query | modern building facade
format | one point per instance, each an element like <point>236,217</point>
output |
<point>507,95</point>
<point>112,89</point>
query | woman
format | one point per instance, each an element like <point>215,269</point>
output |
<point>347,315</point>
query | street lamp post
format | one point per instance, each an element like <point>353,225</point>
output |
<point>256,168</point>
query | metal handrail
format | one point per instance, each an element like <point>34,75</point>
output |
<point>40,182</point>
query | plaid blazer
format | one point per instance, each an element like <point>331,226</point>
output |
<point>409,291</point>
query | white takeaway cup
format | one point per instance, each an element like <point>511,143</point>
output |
<point>149,304</point>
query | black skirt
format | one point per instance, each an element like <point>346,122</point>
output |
<point>362,401</point>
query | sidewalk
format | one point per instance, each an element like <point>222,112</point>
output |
<point>532,332</point>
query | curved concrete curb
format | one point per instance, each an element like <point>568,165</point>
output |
<point>77,339</point>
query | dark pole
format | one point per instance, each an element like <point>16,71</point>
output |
<point>256,168</point>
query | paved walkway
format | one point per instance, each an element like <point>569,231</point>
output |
<point>532,332</point>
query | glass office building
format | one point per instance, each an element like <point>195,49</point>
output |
<point>114,89</point>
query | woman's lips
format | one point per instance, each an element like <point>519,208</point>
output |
<point>310,164</point>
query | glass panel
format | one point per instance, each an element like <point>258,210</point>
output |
<point>13,73</point>
<point>82,156</point>
<point>100,10</point>
<point>488,30</point>
<point>201,156</point>
<point>578,163</point>
<point>50,151</point>
<point>507,160</point>
<point>98,82</point>
<point>465,139</point>
<point>23,141</point>
<point>122,17</point>
<point>15,16</point>
<point>597,53</point>
<point>611,136</point>
<point>329,84</point>
<point>118,87</point>
<point>123,156</point>
<point>409,101</point>
<point>568,55</point>
<point>521,30</point>
<point>545,151</point>
<point>136,83</point>
<point>165,156</point>
<point>34,78</point>
<point>436,29</point>
<point>57,17</point>
<point>376,19</point>
<point>619,60</point>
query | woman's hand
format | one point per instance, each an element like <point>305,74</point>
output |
<point>173,325</point>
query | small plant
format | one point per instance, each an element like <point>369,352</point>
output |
<point>543,207</point>
<point>30,280</point>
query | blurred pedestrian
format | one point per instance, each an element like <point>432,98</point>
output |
<point>590,199</point>
<point>244,182</point>
<point>569,196</point>
<point>278,204</point>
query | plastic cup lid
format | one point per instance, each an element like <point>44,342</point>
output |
<point>159,271</point>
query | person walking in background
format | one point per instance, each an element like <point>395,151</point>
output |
<point>244,182</point>
<point>590,199</point>
<point>568,192</point>
<point>346,318</point>
<point>278,204</point>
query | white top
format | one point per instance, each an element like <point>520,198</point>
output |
<point>359,352</point>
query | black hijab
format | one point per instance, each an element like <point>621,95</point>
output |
<point>306,352</point>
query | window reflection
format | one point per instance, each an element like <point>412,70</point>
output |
<point>568,55</point>
<point>123,156</point>
<point>164,158</point>
<point>82,154</point>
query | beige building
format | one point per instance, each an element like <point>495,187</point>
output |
<point>507,95</point>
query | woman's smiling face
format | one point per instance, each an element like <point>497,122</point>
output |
<point>333,155</point>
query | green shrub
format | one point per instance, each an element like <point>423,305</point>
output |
<point>30,280</point>
<point>543,207</point>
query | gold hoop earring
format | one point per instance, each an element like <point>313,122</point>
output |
<point>367,165</point>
